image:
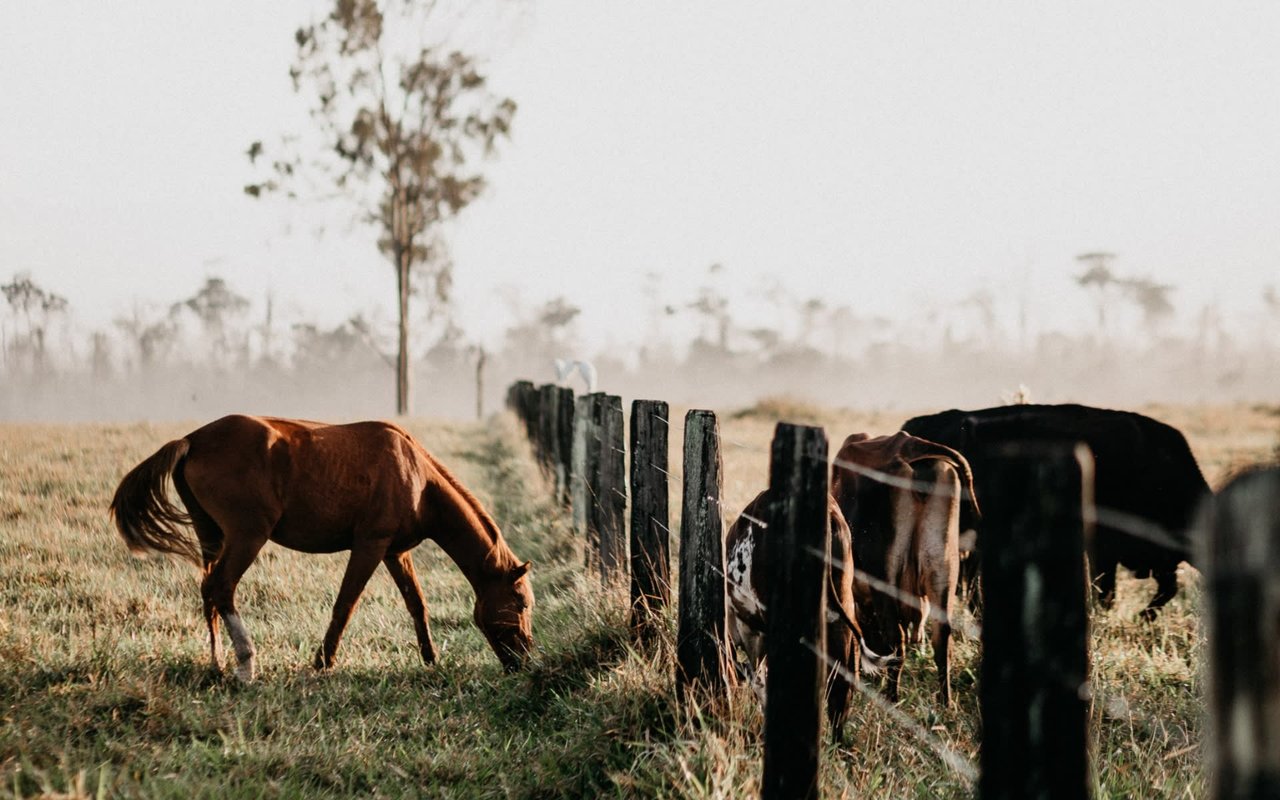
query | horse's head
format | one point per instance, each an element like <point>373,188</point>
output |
<point>504,613</point>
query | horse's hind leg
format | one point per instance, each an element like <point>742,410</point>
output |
<point>209,554</point>
<point>364,560</point>
<point>400,566</point>
<point>219,589</point>
<point>210,537</point>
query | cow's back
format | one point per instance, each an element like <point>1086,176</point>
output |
<point>1143,468</point>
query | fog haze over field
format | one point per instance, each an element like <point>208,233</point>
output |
<point>856,204</point>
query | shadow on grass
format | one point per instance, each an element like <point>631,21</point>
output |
<point>555,675</point>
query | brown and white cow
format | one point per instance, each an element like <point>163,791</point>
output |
<point>748,586</point>
<point>901,497</point>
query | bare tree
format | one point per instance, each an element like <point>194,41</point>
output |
<point>402,129</point>
<point>546,335</point>
<point>1099,279</point>
<point>152,336</point>
<point>216,306</point>
<point>713,306</point>
<point>1151,298</point>
<point>36,308</point>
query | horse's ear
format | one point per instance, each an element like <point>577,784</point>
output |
<point>520,571</point>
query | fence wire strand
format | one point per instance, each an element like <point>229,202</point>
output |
<point>949,755</point>
<point>1114,519</point>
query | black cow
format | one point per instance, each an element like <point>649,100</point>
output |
<point>1147,484</point>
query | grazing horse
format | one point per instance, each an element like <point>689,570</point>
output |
<point>367,487</point>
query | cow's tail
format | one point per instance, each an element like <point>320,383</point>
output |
<point>872,662</point>
<point>917,449</point>
<point>148,520</point>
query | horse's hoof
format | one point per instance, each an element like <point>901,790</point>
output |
<point>319,662</point>
<point>246,671</point>
<point>1149,614</point>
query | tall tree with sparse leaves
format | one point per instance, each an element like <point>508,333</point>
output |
<point>403,128</point>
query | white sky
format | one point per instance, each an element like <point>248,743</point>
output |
<point>882,155</point>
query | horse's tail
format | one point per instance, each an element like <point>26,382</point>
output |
<point>147,519</point>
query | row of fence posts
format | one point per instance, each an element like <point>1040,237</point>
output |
<point>1034,694</point>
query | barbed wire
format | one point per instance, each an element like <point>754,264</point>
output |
<point>1088,689</point>
<point>949,755</point>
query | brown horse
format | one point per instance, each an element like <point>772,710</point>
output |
<point>367,487</point>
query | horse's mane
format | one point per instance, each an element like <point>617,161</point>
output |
<point>499,552</point>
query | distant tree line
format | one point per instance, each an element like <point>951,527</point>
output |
<point>217,350</point>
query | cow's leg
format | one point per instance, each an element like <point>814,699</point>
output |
<point>1166,589</point>
<point>941,605</point>
<point>895,666</point>
<point>365,557</point>
<point>750,645</point>
<point>219,590</point>
<point>969,582</point>
<point>1104,579</point>
<point>401,568</point>
<point>939,546</point>
<point>843,654</point>
<point>940,638</point>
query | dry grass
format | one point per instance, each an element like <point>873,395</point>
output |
<point>105,687</point>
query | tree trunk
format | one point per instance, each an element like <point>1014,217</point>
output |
<point>402,358</point>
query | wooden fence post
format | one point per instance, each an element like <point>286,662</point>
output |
<point>1035,628</point>
<point>797,548</point>
<point>650,518</point>
<point>517,399</point>
<point>1241,534</point>
<point>585,469</point>
<point>611,492</point>
<point>527,398</point>
<point>564,443</point>
<point>544,426</point>
<point>702,661</point>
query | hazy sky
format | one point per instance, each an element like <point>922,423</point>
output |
<point>887,156</point>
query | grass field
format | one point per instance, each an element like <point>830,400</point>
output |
<point>106,690</point>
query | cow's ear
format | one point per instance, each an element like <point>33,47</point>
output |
<point>520,571</point>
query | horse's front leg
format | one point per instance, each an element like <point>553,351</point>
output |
<point>400,565</point>
<point>364,560</point>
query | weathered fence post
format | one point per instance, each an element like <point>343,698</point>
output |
<point>1035,662</point>
<point>554,427</point>
<point>1241,533</point>
<point>650,518</point>
<point>544,426</point>
<point>585,471</point>
<point>702,662</point>
<point>526,409</point>
<point>564,443</point>
<point>517,400</point>
<point>797,548</point>
<point>611,492</point>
